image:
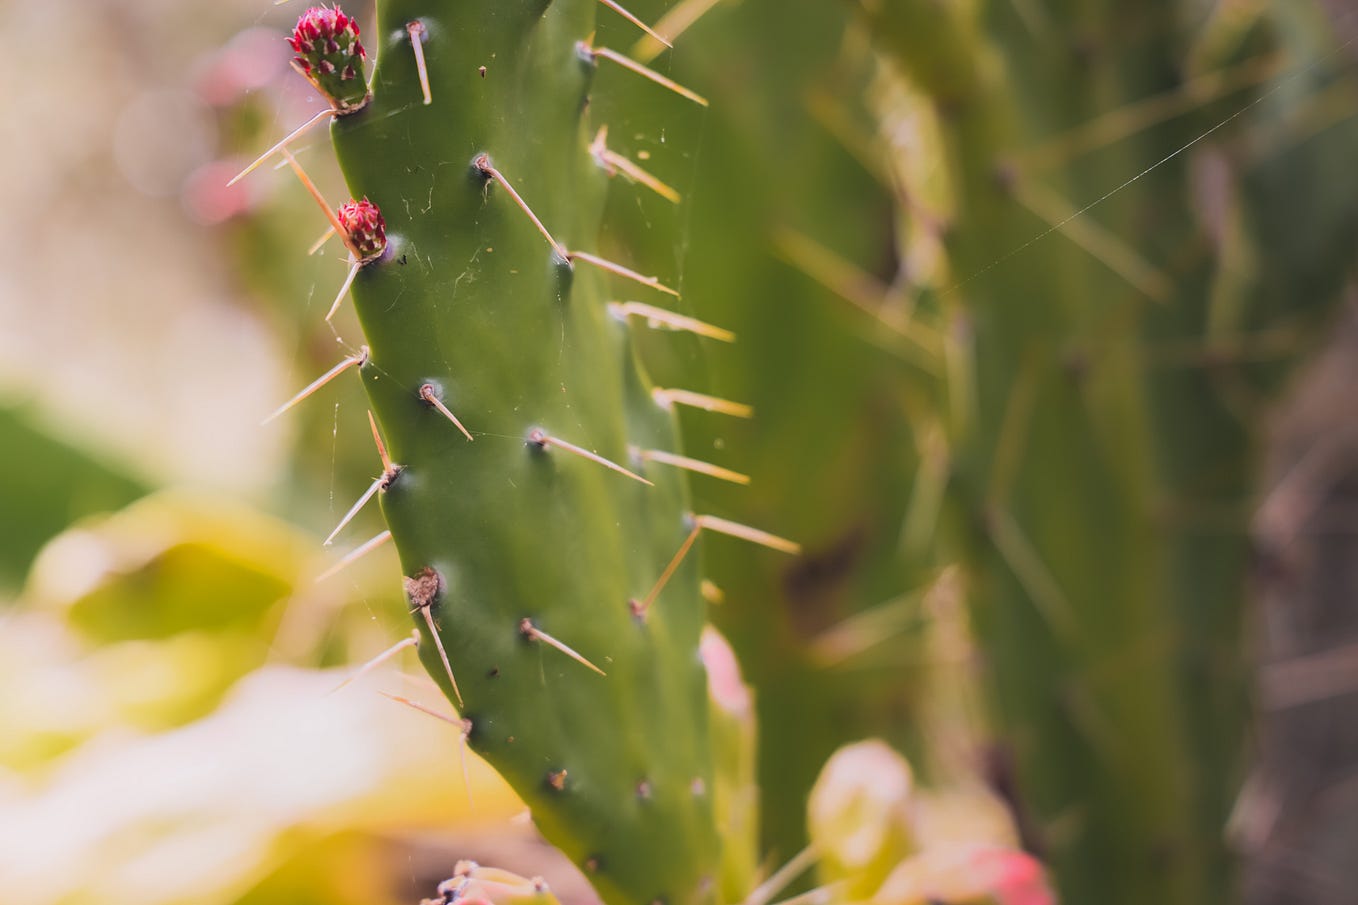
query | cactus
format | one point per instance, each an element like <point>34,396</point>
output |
<point>527,479</point>
<point>831,452</point>
<point>1104,413</point>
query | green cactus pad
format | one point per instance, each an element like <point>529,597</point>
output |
<point>520,547</point>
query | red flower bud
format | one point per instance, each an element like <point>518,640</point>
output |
<point>330,55</point>
<point>366,228</point>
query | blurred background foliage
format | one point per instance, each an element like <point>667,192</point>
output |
<point>166,651</point>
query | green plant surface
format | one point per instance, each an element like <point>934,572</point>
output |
<point>830,450</point>
<point>508,539</point>
<point>52,484</point>
<point>1104,429</point>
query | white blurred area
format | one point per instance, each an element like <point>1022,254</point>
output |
<point>202,813</point>
<point>168,737</point>
<point>121,320</point>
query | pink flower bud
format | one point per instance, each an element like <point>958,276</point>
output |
<point>330,55</point>
<point>366,228</point>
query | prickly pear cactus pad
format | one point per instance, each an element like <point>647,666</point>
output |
<point>531,546</point>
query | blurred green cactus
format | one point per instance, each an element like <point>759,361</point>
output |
<point>1106,410</point>
<point>831,451</point>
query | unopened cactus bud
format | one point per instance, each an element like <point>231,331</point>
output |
<point>331,56</point>
<point>859,815</point>
<point>365,228</point>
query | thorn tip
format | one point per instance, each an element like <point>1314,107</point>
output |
<point>541,440</point>
<point>357,553</point>
<point>617,8</point>
<point>663,318</point>
<point>695,465</point>
<point>669,397</point>
<point>377,661</point>
<point>640,609</point>
<point>611,267</point>
<point>360,359</point>
<point>532,632</point>
<point>424,590</point>
<point>483,164</point>
<point>418,34</point>
<point>430,394</point>
<point>612,163</point>
<point>344,287</point>
<point>745,532</point>
<point>283,143</point>
<point>628,63</point>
